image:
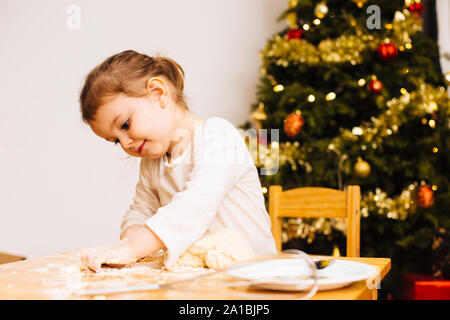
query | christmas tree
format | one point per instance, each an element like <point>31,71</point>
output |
<point>356,92</point>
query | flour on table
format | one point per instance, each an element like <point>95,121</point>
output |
<point>217,249</point>
<point>67,278</point>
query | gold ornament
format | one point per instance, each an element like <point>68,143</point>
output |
<point>362,168</point>
<point>321,10</point>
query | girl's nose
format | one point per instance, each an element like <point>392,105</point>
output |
<point>127,143</point>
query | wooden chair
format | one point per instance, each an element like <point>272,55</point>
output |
<point>314,202</point>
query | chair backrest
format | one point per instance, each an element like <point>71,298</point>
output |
<point>314,202</point>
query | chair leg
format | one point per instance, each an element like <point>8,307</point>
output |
<point>274,192</point>
<point>353,221</point>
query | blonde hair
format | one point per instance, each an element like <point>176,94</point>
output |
<point>127,72</point>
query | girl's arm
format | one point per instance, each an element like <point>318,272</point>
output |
<point>144,242</point>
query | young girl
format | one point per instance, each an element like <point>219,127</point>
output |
<point>196,174</point>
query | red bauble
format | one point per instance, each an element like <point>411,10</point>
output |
<point>293,124</point>
<point>416,8</point>
<point>425,196</point>
<point>375,86</point>
<point>294,34</point>
<point>387,52</point>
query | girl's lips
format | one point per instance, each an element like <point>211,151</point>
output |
<point>141,147</point>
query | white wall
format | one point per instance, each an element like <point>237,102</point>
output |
<point>62,187</point>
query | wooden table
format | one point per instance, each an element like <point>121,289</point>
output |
<point>59,277</point>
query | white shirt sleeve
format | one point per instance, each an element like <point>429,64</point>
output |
<point>218,162</point>
<point>145,202</point>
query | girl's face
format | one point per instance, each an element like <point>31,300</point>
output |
<point>143,126</point>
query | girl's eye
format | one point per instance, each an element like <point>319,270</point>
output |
<point>126,125</point>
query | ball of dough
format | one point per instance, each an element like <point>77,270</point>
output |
<point>217,249</point>
<point>187,259</point>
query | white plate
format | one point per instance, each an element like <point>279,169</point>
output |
<point>286,274</point>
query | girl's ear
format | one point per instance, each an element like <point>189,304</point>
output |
<point>157,87</point>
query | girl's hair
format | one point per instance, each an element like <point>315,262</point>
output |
<point>127,72</point>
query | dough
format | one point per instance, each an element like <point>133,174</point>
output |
<point>217,249</point>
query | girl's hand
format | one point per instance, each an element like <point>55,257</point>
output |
<point>118,255</point>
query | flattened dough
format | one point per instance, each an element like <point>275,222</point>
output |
<point>217,249</point>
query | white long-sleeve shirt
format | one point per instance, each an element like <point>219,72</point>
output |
<point>213,184</point>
